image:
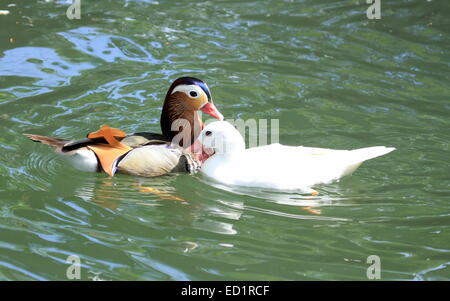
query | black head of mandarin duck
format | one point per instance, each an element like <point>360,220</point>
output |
<point>146,154</point>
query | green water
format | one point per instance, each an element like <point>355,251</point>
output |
<point>332,77</point>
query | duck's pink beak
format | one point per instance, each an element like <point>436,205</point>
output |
<point>200,153</point>
<point>212,111</point>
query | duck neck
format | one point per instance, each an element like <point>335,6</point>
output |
<point>231,149</point>
<point>179,123</point>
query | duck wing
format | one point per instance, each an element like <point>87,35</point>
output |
<point>133,140</point>
<point>157,159</point>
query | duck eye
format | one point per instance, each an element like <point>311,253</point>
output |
<point>208,133</point>
<point>193,94</point>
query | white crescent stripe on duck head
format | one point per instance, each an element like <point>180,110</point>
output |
<point>192,91</point>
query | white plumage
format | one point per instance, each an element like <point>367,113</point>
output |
<point>277,166</point>
<point>82,159</point>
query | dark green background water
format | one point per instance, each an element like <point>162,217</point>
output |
<point>334,79</point>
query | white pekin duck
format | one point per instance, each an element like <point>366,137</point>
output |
<point>146,154</point>
<point>276,166</point>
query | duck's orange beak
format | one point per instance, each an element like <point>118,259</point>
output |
<point>212,111</point>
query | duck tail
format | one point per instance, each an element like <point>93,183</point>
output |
<point>54,142</point>
<point>366,153</point>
